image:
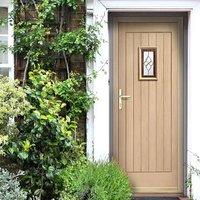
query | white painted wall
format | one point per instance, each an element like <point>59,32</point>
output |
<point>194,92</point>
<point>101,89</point>
<point>90,87</point>
<point>99,130</point>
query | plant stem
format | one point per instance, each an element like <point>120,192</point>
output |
<point>34,3</point>
<point>60,31</point>
<point>25,71</point>
<point>61,19</point>
<point>41,188</point>
<point>66,64</point>
<point>22,3</point>
<point>101,68</point>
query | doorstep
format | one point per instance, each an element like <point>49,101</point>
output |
<point>156,198</point>
<point>161,198</point>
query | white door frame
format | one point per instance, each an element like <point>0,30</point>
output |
<point>98,123</point>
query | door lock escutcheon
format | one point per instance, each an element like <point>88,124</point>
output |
<point>122,97</point>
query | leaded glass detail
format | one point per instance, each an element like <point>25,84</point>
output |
<point>148,67</point>
<point>148,63</point>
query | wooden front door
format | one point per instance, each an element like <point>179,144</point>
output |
<point>148,103</point>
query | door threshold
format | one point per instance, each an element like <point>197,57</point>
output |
<point>161,198</point>
<point>156,198</point>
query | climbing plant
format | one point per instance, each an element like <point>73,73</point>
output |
<point>43,34</point>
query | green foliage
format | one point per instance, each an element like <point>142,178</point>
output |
<point>3,22</point>
<point>56,3</point>
<point>30,41</point>
<point>95,181</point>
<point>72,92</point>
<point>3,47</point>
<point>194,170</point>
<point>46,141</point>
<point>10,187</point>
<point>46,8</point>
<point>42,37</point>
<point>12,104</point>
<point>45,137</point>
<point>83,41</point>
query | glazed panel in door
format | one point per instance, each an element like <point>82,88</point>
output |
<point>147,126</point>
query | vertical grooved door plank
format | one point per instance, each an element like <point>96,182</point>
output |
<point>137,106</point>
<point>175,104</point>
<point>152,114</point>
<point>144,106</point>
<point>129,102</point>
<point>167,102</point>
<point>160,103</point>
<point>122,85</point>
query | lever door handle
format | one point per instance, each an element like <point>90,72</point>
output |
<point>122,97</point>
<point>125,97</point>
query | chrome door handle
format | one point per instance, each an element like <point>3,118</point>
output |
<point>122,97</point>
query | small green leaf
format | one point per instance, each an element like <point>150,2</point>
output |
<point>23,155</point>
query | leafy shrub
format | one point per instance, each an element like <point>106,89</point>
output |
<point>46,141</point>
<point>10,187</point>
<point>72,92</point>
<point>95,181</point>
<point>12,104</point>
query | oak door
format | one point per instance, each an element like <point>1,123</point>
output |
<point>147,134</point>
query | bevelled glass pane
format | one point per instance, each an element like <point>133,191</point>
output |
<point>3,16</point>
<point>4,71</point>
<point>3,54</point>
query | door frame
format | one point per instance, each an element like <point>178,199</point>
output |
<point>114,19</point>
<point>98,118</point>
